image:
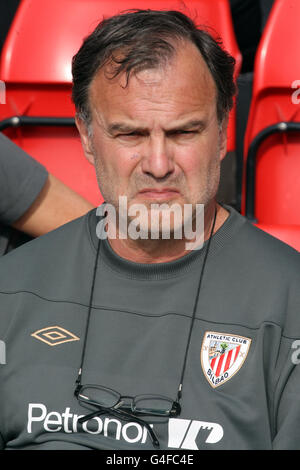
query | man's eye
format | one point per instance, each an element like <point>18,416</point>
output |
<point>184,132</point>
<point>130,134</point>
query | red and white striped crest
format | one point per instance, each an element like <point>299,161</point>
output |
<point>222,355</point>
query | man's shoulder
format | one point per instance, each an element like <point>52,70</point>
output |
<point>49,252</point>
<point>258,246</point>
<point>267,273</point>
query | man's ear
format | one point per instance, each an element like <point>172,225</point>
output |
<point>223,137</point>
<point>85,138</point>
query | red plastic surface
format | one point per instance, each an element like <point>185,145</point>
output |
<point>277,66</point>
<point>46,34</point>
<point>36,67</point>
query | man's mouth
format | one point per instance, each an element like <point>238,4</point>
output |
<point>164,193</point>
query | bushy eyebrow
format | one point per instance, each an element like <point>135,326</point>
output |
<point>122,127</point>
<point>193,124</point>
<point>127,128</point>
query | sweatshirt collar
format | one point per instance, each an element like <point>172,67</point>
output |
<point>155,271</point>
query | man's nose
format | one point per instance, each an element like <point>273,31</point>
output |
<point>158,158</point>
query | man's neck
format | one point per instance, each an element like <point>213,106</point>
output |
<point>162,251</point>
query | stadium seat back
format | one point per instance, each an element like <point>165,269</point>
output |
<point>274,100</point>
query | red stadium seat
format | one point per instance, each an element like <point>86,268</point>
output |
<point>271,191</point>
<point>36,68</point>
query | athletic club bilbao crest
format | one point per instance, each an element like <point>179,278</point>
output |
<point>222,355</point>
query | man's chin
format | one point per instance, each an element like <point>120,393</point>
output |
<point>155,221</point>
<point>155,228</point>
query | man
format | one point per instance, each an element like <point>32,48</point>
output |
<point>135,343</point>
<point>31,200</point>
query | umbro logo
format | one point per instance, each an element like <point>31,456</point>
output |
<point>54,335</point>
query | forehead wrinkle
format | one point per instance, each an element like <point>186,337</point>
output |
<point>136,100</point>
<point>128,121</point>
<point>99,117</point>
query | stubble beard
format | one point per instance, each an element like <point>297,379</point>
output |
<point>170,222</point>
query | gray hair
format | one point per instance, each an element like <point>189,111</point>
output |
<point>144,39</point>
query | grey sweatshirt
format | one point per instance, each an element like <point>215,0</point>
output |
<point>242,379</point>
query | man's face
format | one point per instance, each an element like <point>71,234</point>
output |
<point>157,140</point>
